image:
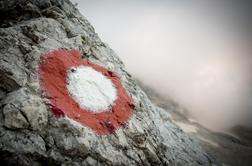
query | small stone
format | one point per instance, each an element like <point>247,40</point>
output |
<point>28,107</point>
<point>24,47</point>
<point>13,118</point>
<point>89,161</point>
<point>36,114</point>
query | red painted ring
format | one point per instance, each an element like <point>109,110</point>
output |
<point>53,79</point>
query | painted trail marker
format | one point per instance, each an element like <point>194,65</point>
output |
<point>90,89</point>
<point>85,92</point>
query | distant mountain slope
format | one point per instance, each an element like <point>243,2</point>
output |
<point>229,149</point>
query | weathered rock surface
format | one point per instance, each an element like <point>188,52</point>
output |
<point>31,135</point>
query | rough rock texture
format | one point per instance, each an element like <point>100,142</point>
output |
<point>31,135</point>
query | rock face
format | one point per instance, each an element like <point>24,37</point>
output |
<point>31,135</point>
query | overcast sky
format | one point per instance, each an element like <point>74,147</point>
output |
<point>196,52</point>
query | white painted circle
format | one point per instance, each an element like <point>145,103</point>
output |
<point>91,89</point>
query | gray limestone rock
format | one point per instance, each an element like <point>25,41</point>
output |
<point>31,135</point>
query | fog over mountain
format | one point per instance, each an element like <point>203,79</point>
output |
<point>197,53</point>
